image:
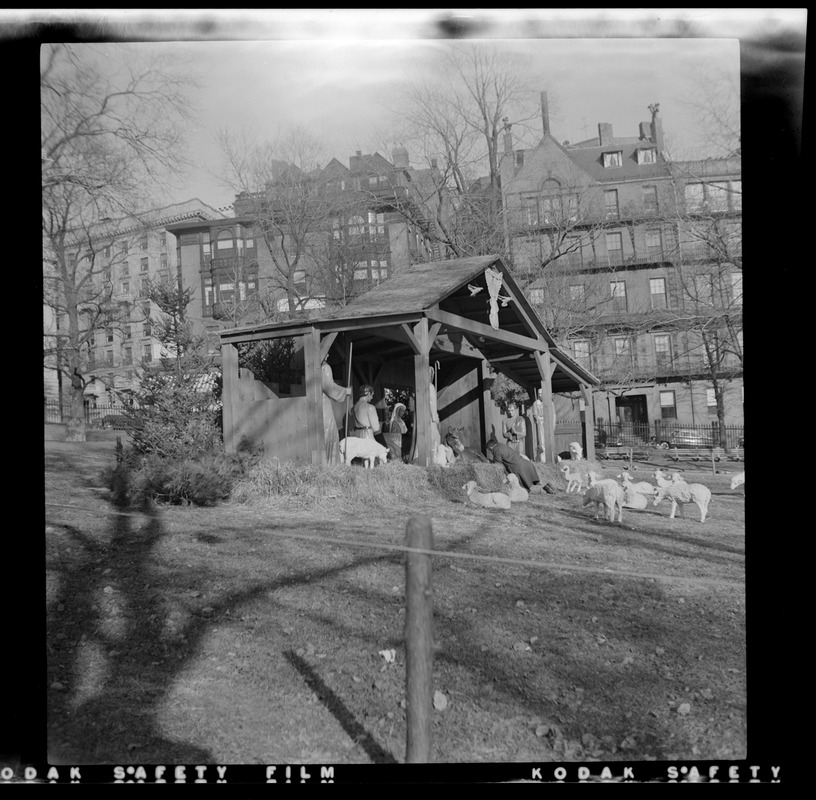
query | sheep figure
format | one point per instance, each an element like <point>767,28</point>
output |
<point>514,490</point>
<point>682,493</point>
<point>606,493</point>
<point>489,500</point>
<point>641,487</point>
<point>664,479</point>
<point>738,480</point>
<point>369,450</point>
<point>574,481</point>
<point>632,498</point>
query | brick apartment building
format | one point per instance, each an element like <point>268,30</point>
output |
<point>119,259</point>
<point>370,226</point>
<point>635,264</point>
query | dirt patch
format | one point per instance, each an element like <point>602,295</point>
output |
<point>264,633</point>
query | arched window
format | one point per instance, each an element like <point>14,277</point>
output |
<point>224,241</point>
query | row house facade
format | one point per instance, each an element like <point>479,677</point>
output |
<point>116,264</point>
<point>365,225</point>
<point>635,264</point>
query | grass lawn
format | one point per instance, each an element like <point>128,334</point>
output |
<point>252,632</point>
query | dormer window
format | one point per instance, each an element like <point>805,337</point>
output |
<point>614,159</point>
<point>647,155</point>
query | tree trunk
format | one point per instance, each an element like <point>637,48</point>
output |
<point>75,431</point>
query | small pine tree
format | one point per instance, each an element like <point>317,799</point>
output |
<point>177,410</point>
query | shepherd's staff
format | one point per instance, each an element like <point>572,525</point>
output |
<point>348,382</point>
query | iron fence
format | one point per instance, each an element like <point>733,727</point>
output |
<point>97,416</point>
<point>668,433</point>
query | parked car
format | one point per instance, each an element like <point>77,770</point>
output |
<point>691,437</point>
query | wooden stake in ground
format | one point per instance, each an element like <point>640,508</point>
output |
<point>418,641</point>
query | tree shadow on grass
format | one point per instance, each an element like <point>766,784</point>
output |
<point>340,711</point>
<point>115,657</point>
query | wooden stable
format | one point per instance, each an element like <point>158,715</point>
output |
<point>445,314</point>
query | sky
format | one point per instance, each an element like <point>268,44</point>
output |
<point>336,72</point>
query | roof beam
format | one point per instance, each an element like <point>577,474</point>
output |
<point>479,329</point>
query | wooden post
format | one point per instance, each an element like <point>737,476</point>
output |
<point>418,641</point>
<point>589,422</point>
<point>315,448</point>
<point>229,393</point>
<point>545,370</point>
<point>713,463</point>
<point>422,411</point>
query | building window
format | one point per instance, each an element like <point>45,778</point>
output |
<point>163,262</point>
<point>206,248</point>
<point>224,241</point>
<point>143,264</point>
<point>580,348</point>
<point>614,248</point>
<point>663,351</point>
<point>107,251</point>
<point>125,269</point>
<point>654,244</point>
<point>717,196</point>
<point>163,241</point>
<point>125,287</point>
<point>147,352</point>
<point>611,208</point>
<point>109,357</point>
<point>106,276</point>
<point>577,293</point>
<point>668,405</point>
<point>127,332</point>
<point>694,195</point>
<point>143,242</point>
<point>530,205</point>
<point>618,292</point>
<point>573,256</point>
<point>711,402</point>
<point>647,155</point>
<point>376,224</point>
<point>613,159</point>
<point>519,158</point>
<point>657,292</point>
<point>250,244</point>
<point>736,288</point>
<point>124,248</point>
<point>536,296</point>
<point>623,350</point>
<point>736,195</point>
<point>108,335</point>
<point>147,328</point>
<point>127,355</point>
<point>650,199</point>
<point>356,225</point>
<point>703,289</point>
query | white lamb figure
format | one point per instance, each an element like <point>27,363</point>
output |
<point>641,487</point>
<point>738,479</point>
<point>574,480</point>
<point>607,493</point>
<point>632,498</point>
<point>664,479</point>
<point>369,450</point>
<point>490,500</point>
<point>682,493</point>
<point>514,490</point>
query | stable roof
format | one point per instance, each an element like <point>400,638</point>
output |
<point>453,296</point>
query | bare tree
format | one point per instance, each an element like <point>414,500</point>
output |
<point>455,126</point>
<point>284,189</point>
<point>110,132</point>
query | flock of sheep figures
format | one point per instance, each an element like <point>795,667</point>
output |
<point>608,494</point>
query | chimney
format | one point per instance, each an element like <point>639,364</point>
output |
<point>508,137</point>
<point>433,163</point>
<point>657,127</point>
<point>545,113</point>
<point>399,157</point>
<point>604,133</point>
<point>645,130</point>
